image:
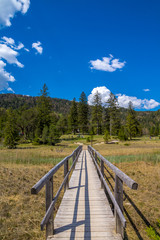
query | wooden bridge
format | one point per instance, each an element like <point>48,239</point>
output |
<point>85,212</point>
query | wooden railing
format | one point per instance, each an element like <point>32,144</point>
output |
<point>117,198</point>
<point>47,180</point>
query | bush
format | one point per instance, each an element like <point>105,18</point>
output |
<point>36,141</point>
<point>122,135</point>
<point>54,135</point>
<point>88,139</point>
<point>106,136</point>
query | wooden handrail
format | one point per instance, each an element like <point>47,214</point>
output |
<point>126,179</point>
<point>47,180</point>
<point>117,198</point>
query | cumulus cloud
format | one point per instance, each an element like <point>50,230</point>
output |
<point>8,9</point>
<point>104,92</point>
<point>123,100</point>
<point>11,43</point>
<point>38,47</point>
<point>9,52</point>
<point>108,64</point>
<point>8,55</point>
<point>147,104</point>
<point>5,77</point>
<point>146,90</point>
<point>10,90</point>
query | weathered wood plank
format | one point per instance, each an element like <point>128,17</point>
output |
<point>84,212</point>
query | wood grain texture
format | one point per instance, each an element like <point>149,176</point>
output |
<point>84,212</point>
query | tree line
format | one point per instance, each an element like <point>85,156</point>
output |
<point>41,125</point>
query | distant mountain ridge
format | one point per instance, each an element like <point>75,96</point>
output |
<point>62,106</point>
<point>15,101</point>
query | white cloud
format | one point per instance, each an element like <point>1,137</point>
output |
<point>104,92</point>
<point>10,90</point>
<point>147,104</point>
<point>8,41</point>
<point>146,90</point>
<point>20,46</point>
<point>26,49</point>
<point>8,9</point>
<point>5,77</point>
<point>123,100</point>
<point>11,43</point>
<point>107,64</point>
<point>8,54</point>
<point>38,47</point>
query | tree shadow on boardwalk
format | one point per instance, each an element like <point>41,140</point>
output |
<point>86,221</point>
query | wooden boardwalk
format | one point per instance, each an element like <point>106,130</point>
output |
<point>84,212</point>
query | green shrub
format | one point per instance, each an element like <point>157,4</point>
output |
<point>106,136</point>
<point>88,139</point>
<point>122,135</point>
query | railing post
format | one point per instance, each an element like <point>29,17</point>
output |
<point>49,198</point>
<point>66,186</point>
<point>73,158</point>
<point>102,171</point>
<point>118,191</point>
<point>95,157</point>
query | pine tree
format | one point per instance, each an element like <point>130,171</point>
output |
<point>45,134</point>
<point>54,134</point>
<point>83,112</point>
<point>132,124</point>
<point>113,115</point>
<point>44,109</point>
<point>156,132</point>
<point>62,124</point>
<point>122,135</point>
<point>73,116</point>
<point>106,136</point>
<point>11,131</point>
<point>27,123</point>
<point>97,111</point>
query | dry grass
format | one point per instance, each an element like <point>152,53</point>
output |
<point>35,155</point>
<point>128,148</point>
<point>20,169</point>
<point>145,169</point>
<point>146,198</point>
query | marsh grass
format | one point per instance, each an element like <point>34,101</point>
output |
<point>35,155</point>
<point>150,157</point>
<point>21,168</point>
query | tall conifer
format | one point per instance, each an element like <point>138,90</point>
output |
<point>11,131</point>
<point>73,116</point>
<point>83,113</point>
<point>97,111</point>
<point>113,115</point>
<point>44,109</point>
<point>132,124</point>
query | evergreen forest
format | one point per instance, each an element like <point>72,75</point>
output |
<point>43,120</point>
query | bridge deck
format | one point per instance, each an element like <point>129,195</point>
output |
<point>84,212</point>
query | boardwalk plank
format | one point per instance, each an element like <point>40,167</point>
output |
<point>84,212</point>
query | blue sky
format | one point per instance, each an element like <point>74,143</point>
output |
<point>76,46</point>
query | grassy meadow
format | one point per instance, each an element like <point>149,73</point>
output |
<point>21,168</point>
